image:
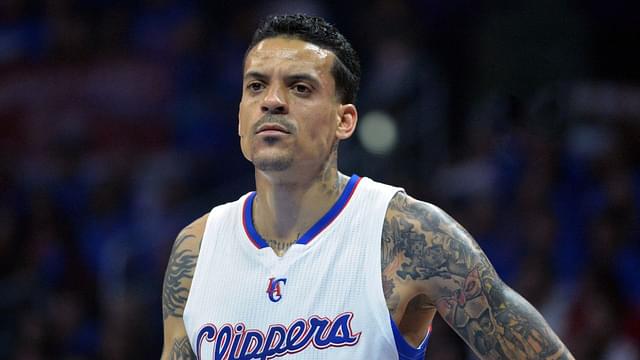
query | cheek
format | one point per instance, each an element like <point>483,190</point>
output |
<point>245,147</point>
<point>320,124</point>
<point>248,113</point>
<point>319,142</point>
<point>242,122</point>
<point>243,131</point>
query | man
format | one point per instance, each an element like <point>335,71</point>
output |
<point>318,265</point>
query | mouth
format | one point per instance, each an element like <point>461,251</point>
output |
<point>270,129</point>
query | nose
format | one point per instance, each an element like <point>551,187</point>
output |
<point>274,101</point>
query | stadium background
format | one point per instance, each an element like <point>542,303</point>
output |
<point>118,127</point>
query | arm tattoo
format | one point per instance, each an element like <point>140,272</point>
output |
<point>181,267</point>
<point>393,299</point>
<point>182,350</point>
<point>428,246</point>
<point>390,262</point>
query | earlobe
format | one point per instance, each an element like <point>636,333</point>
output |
<point>347,120</point>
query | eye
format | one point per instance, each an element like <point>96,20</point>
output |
<point>301,89</point>
<point>255,86</point>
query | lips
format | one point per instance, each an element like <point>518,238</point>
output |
<point>272,128</point>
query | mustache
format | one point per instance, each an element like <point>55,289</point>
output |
<point>275,119</point>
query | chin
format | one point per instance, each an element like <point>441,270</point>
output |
<point>280,163</point>
<point>272,158</point>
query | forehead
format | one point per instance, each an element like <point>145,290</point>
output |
<point>296,54</point>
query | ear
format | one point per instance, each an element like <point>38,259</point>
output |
<point>347,120</point>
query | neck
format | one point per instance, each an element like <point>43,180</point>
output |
<point>287,205</point>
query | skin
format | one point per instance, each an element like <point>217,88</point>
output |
<point>429,262</point>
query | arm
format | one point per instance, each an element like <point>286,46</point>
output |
<point>175,290</point>
<point>427,249</point>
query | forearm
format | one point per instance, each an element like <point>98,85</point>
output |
<point>178,349</point>
<point>501,324</point>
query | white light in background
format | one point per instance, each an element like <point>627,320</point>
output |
<point>377,132</point>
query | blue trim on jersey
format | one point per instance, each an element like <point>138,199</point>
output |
<point>247,221</point>
<point>405,350</point>
<point>332,214</point>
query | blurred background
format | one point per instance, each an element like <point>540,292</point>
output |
<point>118,127</point>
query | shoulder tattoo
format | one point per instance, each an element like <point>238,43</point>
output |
<point>421,243</point>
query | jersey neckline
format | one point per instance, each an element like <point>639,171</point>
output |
<point>309,235</point>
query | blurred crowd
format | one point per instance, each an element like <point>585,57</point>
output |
<point>118,127</point>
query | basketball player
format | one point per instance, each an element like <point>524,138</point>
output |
<point>318,265</point>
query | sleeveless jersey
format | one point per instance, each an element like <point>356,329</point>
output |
<point>323,299</point>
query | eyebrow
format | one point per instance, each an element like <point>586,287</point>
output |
<point>289,78</point>
<point>255,75</point>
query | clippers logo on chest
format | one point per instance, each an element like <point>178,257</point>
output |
<point>274,288</point>
<point>237,342</point>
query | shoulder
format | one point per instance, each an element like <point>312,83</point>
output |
<point>190,237</point>
<point>424,236</point>
<point>196,228</point>
<point>419,215</point>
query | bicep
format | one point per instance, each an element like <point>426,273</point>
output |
<point>175,290</point>
<point>178,275</point>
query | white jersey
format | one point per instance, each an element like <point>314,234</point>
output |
<point>322,299</point>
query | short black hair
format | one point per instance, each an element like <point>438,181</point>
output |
<point>316,30</point>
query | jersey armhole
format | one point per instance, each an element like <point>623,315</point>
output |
<point>405,350</point>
